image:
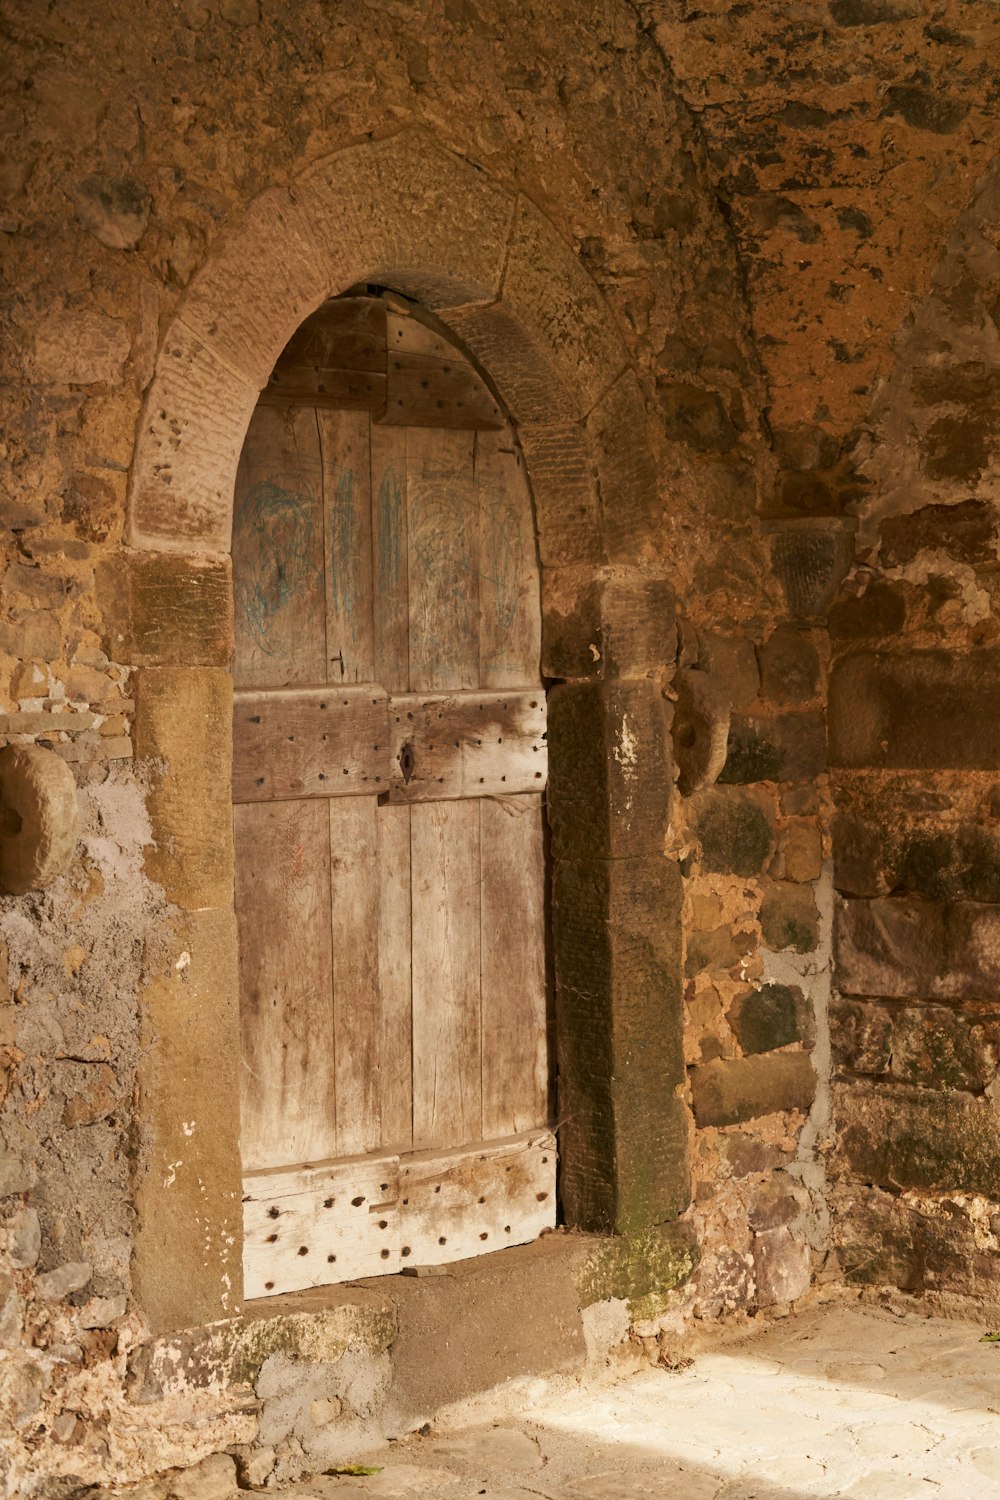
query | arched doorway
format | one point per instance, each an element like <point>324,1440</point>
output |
<point>390,760</point>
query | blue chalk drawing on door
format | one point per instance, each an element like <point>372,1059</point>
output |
<point>389,530</point>
<point>275,526</point>
<point>444,603</point>
<point>504,560</point>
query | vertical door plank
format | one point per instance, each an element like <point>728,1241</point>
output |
<point>515,1052</point>
<point>443,552</point>
<point>389,559</point>
<point>510,620</point>
<point>347,513</point>
<point>286,1001</point>
<point>393,828</point>
<point>354,886</point>
<point>278,552</point>
<point>447,1064</point>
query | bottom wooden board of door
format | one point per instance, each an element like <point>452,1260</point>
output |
<point>335,1221</point>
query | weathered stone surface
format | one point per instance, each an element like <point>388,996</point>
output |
<point>800,852</point>
<point>165,609</point>
<point>811,561</point>
<point>943,1049</point>
<point>966,532</point>
<point>776,1201</point>
<point>884,1240</point>
<point>188,1248</point>
<point>38,790</point>
<point>914,710</point>
<point>115,210</point>
<point>878,613</point>
<point>789,917</point>
<point>183,723</point>
<point>773,1016</point>
<point>858,858</point>
<point>81,348</point>
<point>700,729</point>
<point>606,625</point>
<point>732,661</point>
<point>734,829</point>
<point>618,976</point>
<point>15,1175</point>
<point>789,666</point>
<point>720,948</point>
<point>11,1312</point>
<point>630,501</point>
<point>608,769</point>
<point>860,1037</point>
<point>782,1266</point>
<point>696,416</point>
<point>899,1136</point>
<point>940,862</point>
<point>71,1277</point>
<point>726,1092</point>
<point>24,1238</point>
<point>212,1479</point>
<point>787,747</point>
<point>564,487</point>
<point>904,948</point>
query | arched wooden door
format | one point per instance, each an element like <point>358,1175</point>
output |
<point>389,765</point>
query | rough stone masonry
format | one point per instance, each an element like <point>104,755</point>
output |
<point>789,218</point>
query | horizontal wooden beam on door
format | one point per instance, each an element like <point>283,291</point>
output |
<point>310,742</point>
<point>315,1224</point>
<point>448,745</point>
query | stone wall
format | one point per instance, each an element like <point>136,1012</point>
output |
<point>913,742</point>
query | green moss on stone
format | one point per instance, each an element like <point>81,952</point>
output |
<point>640,1269</point>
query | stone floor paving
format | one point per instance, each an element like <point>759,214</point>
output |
<point>841,1400</point>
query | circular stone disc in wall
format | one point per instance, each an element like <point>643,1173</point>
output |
<point>39,820</point>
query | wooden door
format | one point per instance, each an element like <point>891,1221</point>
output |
<point>389,766</point>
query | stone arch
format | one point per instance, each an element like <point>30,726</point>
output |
<point>404,213</point>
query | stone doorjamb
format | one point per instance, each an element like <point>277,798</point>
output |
<point>405,214</point>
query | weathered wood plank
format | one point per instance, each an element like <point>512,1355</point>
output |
<point>448,745</point>
<point>310,742</point>
<point>389,549</point>
<point>336,359</point>
<point>443,561</point>
<point>406,333</point>
<point>347,512</point>
<point>510,616</point>
<point>423,390</point>
<point>286,1008</point>
<point>314,1226</point>
<point>278,553</point>
<point>336,1221</point>
<point>514,1009</point>
<point>466,1202</point>
<point>393,837</point>
<point>354,883</point>
<point>447,1084</point>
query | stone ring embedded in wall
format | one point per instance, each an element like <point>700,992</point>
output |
<point>39,820</point>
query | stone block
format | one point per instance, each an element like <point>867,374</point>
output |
<point>264,277</point>
<point>696,416</point>
<point>877,614</point>
<point>732,661</point>
<point>782,1266</point>
<point>860,1037</point>
<point>81,348</point>
<point>720,948</point>
<point>564,488</point>
<point>166,609</point>
<point>800,852</point>
<point>899,1136</point>
<point>194,420</point>
<point>859,866</point>
<point>776,1015</point>
<point>609,775</point>
<point>789,666</point>
<point>405,213</point>
<point>183,727</point>
<point>617,947</point>
<point>789,917</point>
<point>550,343</point>
<point>811,559</point>
<point>785,747</point>
<point>15,1174</point>
<point>632,512</point>
<point>903,948</point>
<point>699,730</point>
<point>967,532</point>
<point>916,710</point>
<point>943,1049</point>
<point>775,1201</point>
<point>882,1240</point>
<point>187,1259</point>
<point>735,830</point>
<point>729,1091</point>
